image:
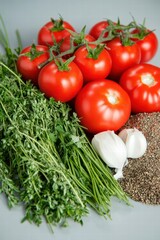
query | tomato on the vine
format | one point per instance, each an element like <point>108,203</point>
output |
<point>142,83</point>
<point>98,28</point>
<point>29,61</point>
<point>105,30</point>
<point>60,80</point>
<point>94,61</point>
<point>148,43</point>
<point>55,30</point>
<point>102,105</point>
<point>67,44</point>
<point>123,57</point>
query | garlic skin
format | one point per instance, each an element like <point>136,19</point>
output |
<point>111,149</point>
<point>135,142</point>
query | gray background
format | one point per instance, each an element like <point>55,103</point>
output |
<point>29,16</point>
<point>140,222</point>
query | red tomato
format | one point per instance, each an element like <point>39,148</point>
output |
<point>148,45</point>
<point>91,68</point>
<point>97,29</point>
<point>142,83</point>
<point>29,60</point>
<point>122,57</point>
<point>62,85</point>
<point>56,30</point>
<point>66,44</point>
<point>102,105</point>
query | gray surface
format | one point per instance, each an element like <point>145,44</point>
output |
<point>140,222</point>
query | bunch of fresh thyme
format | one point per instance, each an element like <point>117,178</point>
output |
<point>48,162</point>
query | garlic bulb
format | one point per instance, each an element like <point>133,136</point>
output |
<point>111,149</point>
<point>135,141</point>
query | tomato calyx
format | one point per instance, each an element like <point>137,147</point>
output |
<point>139,31</point>
<point>62,65</point>
<point>78,38</point>
<point>57,57</point>
<point>94,52</point>
<point>148,80</point>
<point>33,53</point>
<point>126,39</point>
<point>57,25</point>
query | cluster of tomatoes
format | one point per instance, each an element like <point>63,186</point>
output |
<point>105,72</point>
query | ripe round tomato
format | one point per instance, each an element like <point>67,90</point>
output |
<point>148,45</point>
<point>62,85</point>
<point>142,83</point>
<point>93,68</point>
<point>29,60</point>
<point>55,29</point>
<point>102,105</point>
<point>122,57</point>
<point>97,29</point>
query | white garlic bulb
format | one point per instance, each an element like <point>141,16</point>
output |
<point>112,150</point>
<point>135,142</point>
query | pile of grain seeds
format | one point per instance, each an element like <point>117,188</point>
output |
<point>142,176</point>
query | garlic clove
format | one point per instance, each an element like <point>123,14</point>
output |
<point>111,149</point>
<point>135,142</point>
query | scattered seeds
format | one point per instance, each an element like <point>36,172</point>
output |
<point>142,175</point>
